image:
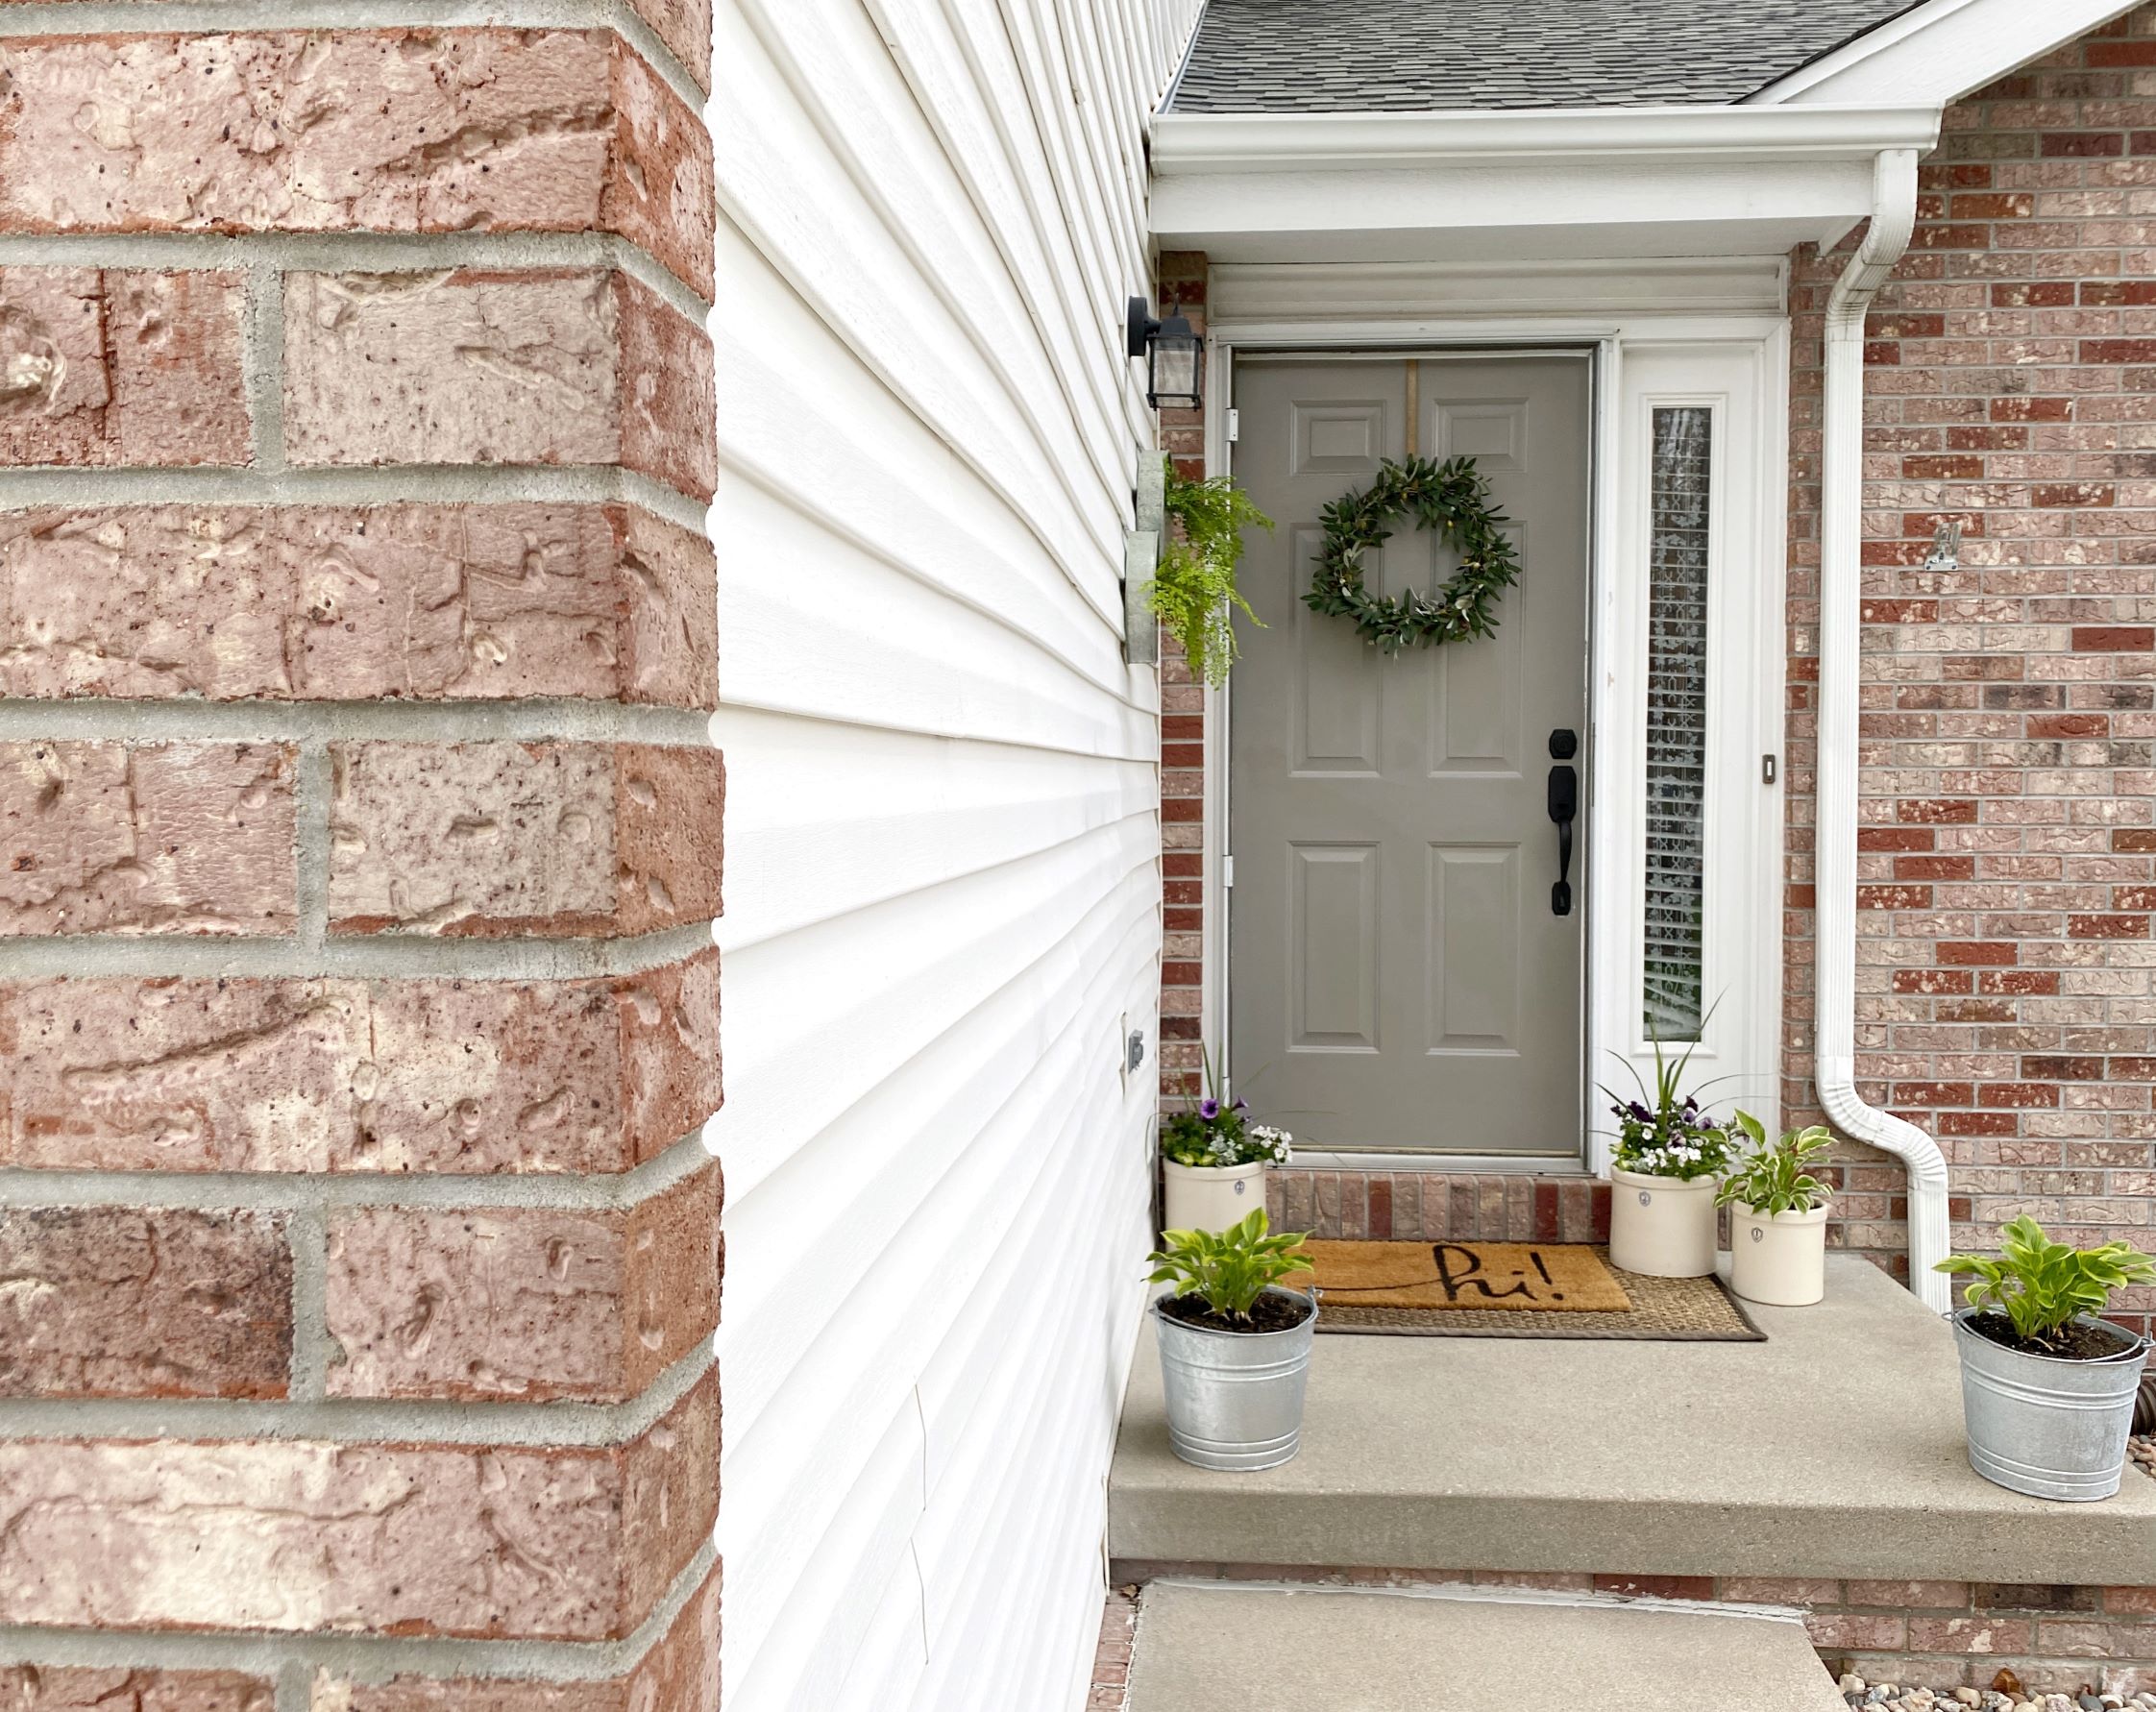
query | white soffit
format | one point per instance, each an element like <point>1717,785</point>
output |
<point>1570,183</point>
<point>1940,51</point>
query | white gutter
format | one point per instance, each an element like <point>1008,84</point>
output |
<point>1840,576</point>
<point>1314,142</point>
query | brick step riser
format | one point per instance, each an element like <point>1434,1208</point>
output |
<point>1936,1634</point>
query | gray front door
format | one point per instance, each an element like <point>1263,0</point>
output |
<point>1397,978</point>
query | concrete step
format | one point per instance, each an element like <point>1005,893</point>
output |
<point>1230,1649</point>
<point>1834,1449</point>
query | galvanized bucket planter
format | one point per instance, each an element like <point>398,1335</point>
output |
<point>2045,1425</point>
<point>1235,1398</point>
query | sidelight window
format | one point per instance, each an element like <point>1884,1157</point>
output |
<point>1676,720</point>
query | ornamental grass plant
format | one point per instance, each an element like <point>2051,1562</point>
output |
<point>1665,1132</point>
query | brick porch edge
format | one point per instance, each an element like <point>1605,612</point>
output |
<point>362,839</point>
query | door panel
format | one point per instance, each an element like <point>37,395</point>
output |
<point>1338,712</point>
<point>1476,713</point>
<point>1337,438</point>
<point>1332,941</point>
<point>1397,980</point>
<point>1473,930</point>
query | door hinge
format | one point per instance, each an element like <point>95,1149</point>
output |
<point>1227,872</point>
<point>1234,426</point>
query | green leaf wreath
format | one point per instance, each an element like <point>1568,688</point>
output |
<point>1451,499</point>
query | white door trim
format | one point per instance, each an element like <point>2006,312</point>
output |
<point>1746,873</point>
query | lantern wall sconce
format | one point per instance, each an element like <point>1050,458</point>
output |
<point>1174,357</point>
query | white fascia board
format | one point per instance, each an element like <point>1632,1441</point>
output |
<point>1635,182</point>
<point>1185,143</point>
<point>1938,52</point>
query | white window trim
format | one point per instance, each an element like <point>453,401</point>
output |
<point>1743,383</point>
<point>1741,361</point>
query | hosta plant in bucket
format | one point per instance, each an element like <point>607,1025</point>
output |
<point>1214,1163</point>
<point>1777,1216</point>
<point>1235,1343</point>
<point>2046,1386</point>
<point>1670,1157</point>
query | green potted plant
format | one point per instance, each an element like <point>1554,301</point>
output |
<point>1670,1157</point>
<point>1777,1216</point>
<point>1214,1161</point>
<point>1193,589</point>
<point>2046,1386</point>
<point>1235,1343</point>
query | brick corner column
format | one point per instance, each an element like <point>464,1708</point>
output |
<point>362,839</point>
<point>1183,276</point>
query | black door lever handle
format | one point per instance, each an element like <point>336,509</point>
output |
<point>1564,809</point>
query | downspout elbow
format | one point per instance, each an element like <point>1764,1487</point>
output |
<point>1894,198</point>
<point>1893,223</point>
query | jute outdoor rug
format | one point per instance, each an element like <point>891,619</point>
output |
<point>1512,1289</point>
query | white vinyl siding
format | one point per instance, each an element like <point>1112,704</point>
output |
<point>943,895</point>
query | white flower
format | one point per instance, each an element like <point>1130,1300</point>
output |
<point>1272,1142</point>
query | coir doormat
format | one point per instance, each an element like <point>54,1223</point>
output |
<point>1512,1289</point>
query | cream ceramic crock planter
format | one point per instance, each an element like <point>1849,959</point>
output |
<point>1777,1259</point>
<point>1211,1197</point>
<point>1661,1226</point>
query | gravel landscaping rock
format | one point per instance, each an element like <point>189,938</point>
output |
<point>1895,1696</point>
<point>1898,1697</point>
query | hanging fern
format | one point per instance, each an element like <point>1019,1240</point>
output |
<point>1193,591</point>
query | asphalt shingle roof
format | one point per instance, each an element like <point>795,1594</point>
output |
<point>1420,56</point>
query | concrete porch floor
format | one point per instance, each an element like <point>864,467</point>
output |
<point>1834,1449</point>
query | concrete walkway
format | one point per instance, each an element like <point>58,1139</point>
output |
<point>1203,1649</point>
<point>1833,1449</point>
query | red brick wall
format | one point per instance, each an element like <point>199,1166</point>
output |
<point>2007,864</point>
<point>1450,1206</point>
<point>360,839</point>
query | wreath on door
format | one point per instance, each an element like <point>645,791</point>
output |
<point>1453,500</point>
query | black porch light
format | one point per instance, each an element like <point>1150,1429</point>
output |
<point>1174,358</point>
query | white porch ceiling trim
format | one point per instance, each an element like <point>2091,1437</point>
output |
<point>1938,52</point>
<point>1392,292</point>
<point>1571,183</point>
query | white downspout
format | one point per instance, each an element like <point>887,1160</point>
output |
<point>1894,211</point>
